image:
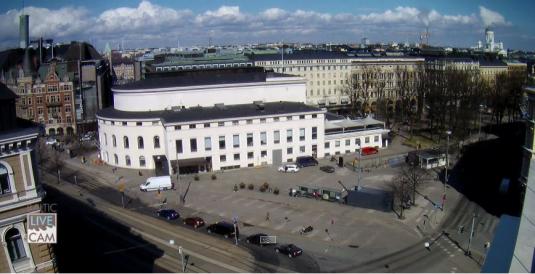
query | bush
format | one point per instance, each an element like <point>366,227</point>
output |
<point>276,191</point>
<point>214,177</point>
<point>262,188</point>
<point>242,185</point>
<point>196,178</point>
<point>265,185</point>
<point>250,186</point>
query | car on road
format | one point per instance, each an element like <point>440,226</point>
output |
<point>304,161</point>
<point>223,228</point>
<point>289,168</point>
<point>51,141</point>
<point>328,169</point>
<point>369,151</point>
<point>290,249</point>
<point>169,214</point>
<point>260,239</point>
<point>194,221</point>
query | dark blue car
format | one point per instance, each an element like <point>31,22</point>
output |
<point>169,214</point>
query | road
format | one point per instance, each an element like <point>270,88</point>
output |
<point>141,241</point>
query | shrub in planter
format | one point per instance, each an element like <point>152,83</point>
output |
<point>262,188</point>
<point>196,178</point>
<point>250,186</point>
<point>265,185</point>
<point>214,177</point>
<point>276,191</point>
<point>242,185</point>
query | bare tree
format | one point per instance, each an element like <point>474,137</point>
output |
<point>400,190</point>
<point>415,177</point>
<point>359,86</point>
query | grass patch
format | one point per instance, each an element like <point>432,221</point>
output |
<point>416,140</point>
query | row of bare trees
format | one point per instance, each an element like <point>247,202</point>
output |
<point>444,98</point>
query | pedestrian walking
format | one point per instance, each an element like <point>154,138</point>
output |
<point>332,221</point>
<point>267,216</point>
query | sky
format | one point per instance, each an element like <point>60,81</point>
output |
<point>169,23</point>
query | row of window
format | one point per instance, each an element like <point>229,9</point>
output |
<point>249,140</point>
<point>126,142</point>
<point>348,142</point>
<point>128,161</point>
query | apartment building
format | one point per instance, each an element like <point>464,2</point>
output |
<point>20,192</point>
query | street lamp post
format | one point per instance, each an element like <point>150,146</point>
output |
<point>448,133</point>
<point>359,171</point>
<point>181,253</point>
<point>479,131</point>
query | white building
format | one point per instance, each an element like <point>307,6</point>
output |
<point>216,122</point>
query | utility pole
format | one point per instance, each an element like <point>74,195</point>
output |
<point>448,133</point>
<point>359,171</point>
<point>479,132</point>
<point>468,252</point>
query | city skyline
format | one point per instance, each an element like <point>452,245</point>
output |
<point>153,23</point>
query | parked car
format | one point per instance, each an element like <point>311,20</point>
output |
<point>304,161</point>
<point>169,214</point>
<point>290,250</point>
<point>260,239</point>
<point>328,169</point>
<point>289,168</point>
<point>157,183</point>
<point>51,141</point>
<point>223,228</point>
<point>194,221</point>
<point>369,151</point>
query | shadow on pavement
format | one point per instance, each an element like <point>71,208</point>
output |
<point>482,166</point>
<point>89,241</point>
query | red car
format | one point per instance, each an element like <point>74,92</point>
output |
<point>369,151</point>
<point>194,221</point>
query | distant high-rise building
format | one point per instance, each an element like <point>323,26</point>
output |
<point>24,31</point>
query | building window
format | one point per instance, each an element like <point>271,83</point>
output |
<point>15,245</point>
<point>223,158</point>
<point>178,127</point>
<point>250,139</point>
<point>105,139</point>
<point>206,125</point>
<point>125,141</point>
<point>193,144</point>
<point>276,137</point>
<point>236,140</point>
<point>263,153</point>
<point>302,149</point>
<point>250,155</point>
<point>376,139</point>
<point>156,142</point>
<point>263,121</point>
<point>207,143</point>
<point>348,142</point>
<point>140,143</point>
<point>142,161</point>
<point>138,124</point>
<point>289,118</point>
<point>221,124</point>
<point>289,137</point>
<point>116,159</point>
<point>127,160</point>
<point>367,140</point>
<point>236,157</point>
<point>337,143</point>
<point>249,121</point>
<point>5,187</point>
<point>263,138</point>
<point>301,134</point>
<point>275,119</point>
<point>235,123</point>
<point>124,123</point>
<point>327,144</point>
<point>221,142</point>
<point>114,141</point>
<point>179,148</point>
<point>314,133</point>
<point>314,116</point>
<point>192,126</point>
<point>289,150</point>
<point>357,141</point>
<point>301,117</point>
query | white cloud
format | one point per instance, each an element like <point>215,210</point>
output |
<point>148,24</point>
<point>492,18</point>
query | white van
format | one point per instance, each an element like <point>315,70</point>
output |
<point>157,183</point>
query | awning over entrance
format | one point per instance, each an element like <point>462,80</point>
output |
<point>193,165</point>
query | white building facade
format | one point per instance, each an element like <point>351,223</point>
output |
<point>249,125</point>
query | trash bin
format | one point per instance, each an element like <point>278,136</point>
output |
<point>340,161</point>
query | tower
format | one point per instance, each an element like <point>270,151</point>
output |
<point>24,31</point>
<point>489,39</point>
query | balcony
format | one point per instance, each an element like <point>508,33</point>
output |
<point>53,104</point>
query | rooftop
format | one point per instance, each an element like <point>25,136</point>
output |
<point>202,77</point>
<point>210,113</point>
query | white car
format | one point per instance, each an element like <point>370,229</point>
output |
<point>51,141</point>
<point>289,168</point>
